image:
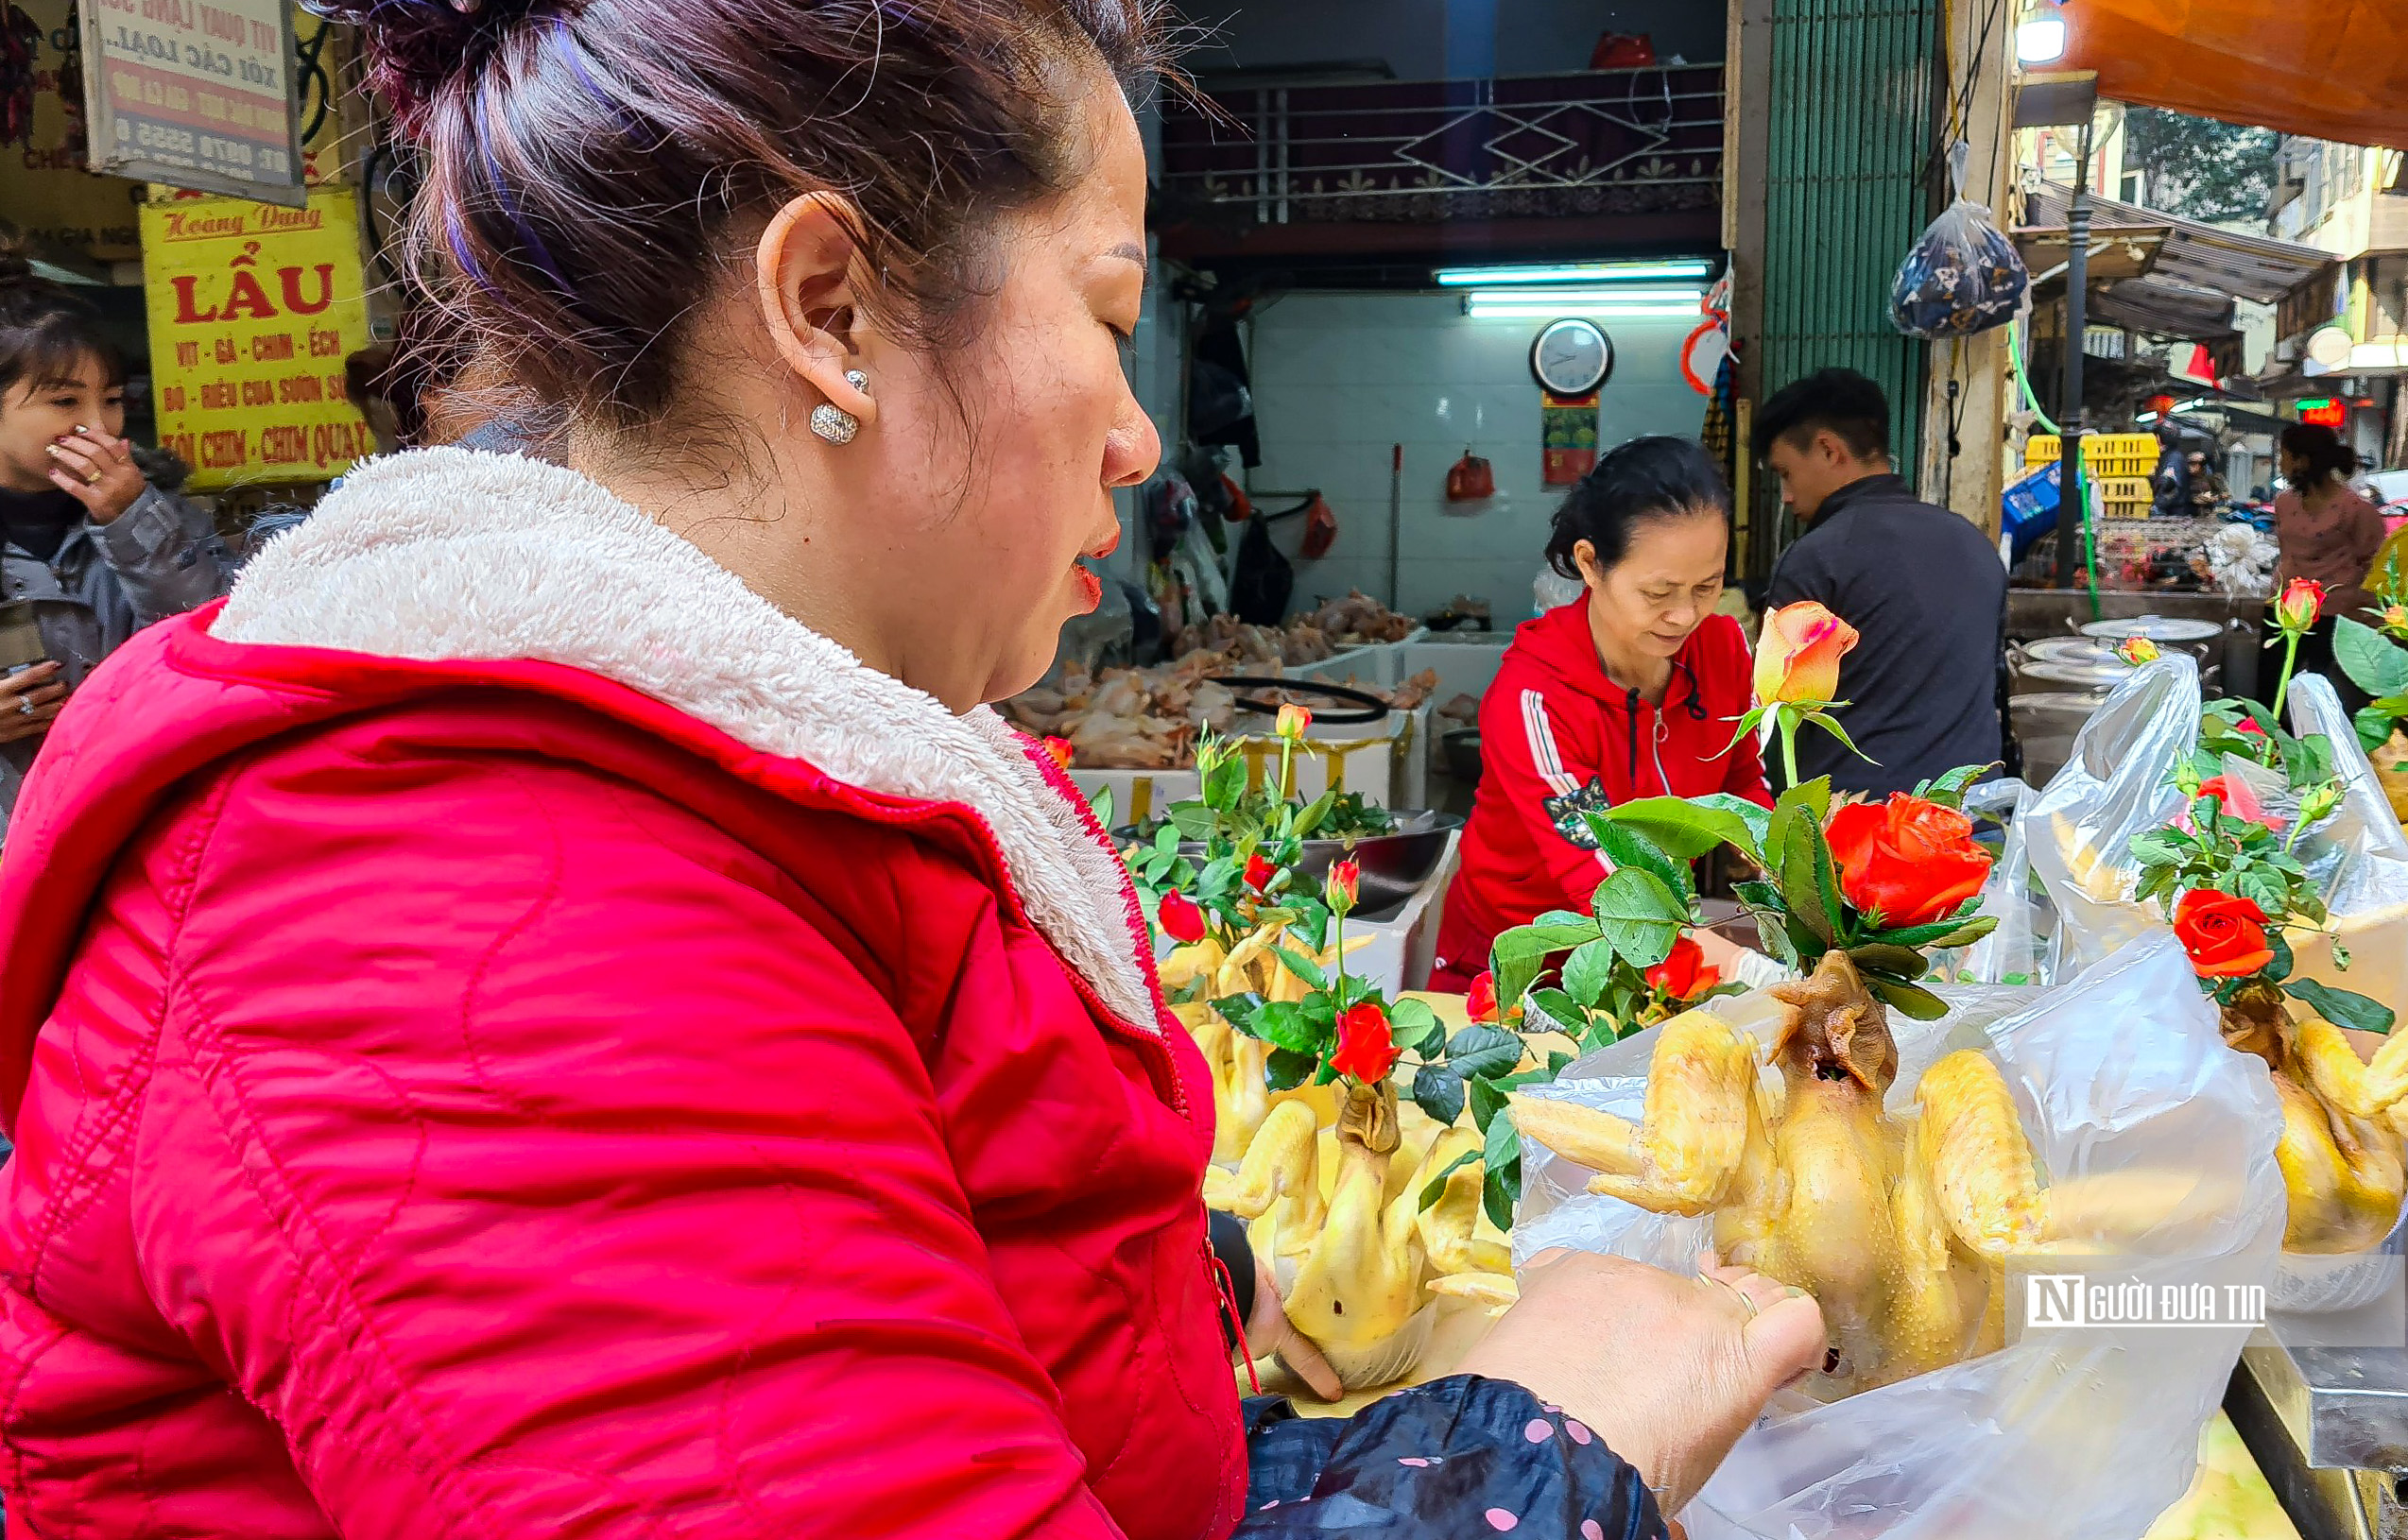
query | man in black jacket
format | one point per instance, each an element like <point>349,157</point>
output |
<point>1924,590</point>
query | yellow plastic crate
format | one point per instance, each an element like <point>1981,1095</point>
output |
<point>2043,447</point>
<point>2124,489</point>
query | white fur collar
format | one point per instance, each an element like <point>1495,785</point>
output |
<point>451,553</point>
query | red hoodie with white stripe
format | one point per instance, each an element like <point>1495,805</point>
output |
<point>1556,737</point>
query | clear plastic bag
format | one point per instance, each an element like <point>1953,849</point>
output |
<point>2116,783</point>
<point>2016,951</point>
<point>2361,859</point>
<point>1964,275</point>
<point>2061,1432</point>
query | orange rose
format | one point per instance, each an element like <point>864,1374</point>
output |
<point>2224,934</point>
<point>1365,1049</point>
<point>1683,976</point>
<point>1798,656</point>
<point>1914,861</point>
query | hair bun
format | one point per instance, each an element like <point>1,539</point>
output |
<point>416,47</point>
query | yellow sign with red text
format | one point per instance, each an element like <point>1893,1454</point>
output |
<point>253,309</point>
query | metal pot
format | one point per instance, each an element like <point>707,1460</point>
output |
<point>2202,640</point>
<point>2078,678</point>
<point>2070,650</point>
<point>2045,722</point>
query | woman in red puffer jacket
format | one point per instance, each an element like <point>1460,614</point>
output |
<point>556,1011</point>
<point>1634,690</point>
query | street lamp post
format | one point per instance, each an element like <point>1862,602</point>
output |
<point>2071,417</point>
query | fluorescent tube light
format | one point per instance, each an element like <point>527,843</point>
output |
<point>1574,272</point>
<point>1501,308</point>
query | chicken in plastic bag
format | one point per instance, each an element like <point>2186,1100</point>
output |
<point>2153,1132</point>
<point>1963,277</point>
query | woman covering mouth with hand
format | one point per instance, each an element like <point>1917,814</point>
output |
<point>1630,690</point>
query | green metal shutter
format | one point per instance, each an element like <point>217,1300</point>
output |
<point>1847,169</point>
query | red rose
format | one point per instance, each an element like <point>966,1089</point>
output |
<point>1481,1002</point>
<point>1060,750</point>
<point>2300,603</point>
<point>1683,976</point>
<point>1345,884</point>
<point>2224,934</point>
<point>1365,1049</point>
<point>1179,919</point>
<point>1914,861</point>
<point>2247,727</point>
<point>2237,799</point>
<point>1259,872</point>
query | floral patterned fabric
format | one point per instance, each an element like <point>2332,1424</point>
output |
<point>1458,1458</point>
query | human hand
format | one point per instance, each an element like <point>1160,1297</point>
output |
<point>28,702</point>
<point>98,471</point>
<point>1669,1371</point>
<point>1269,1331</point>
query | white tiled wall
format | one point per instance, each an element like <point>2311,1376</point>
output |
<point>1339,378</point>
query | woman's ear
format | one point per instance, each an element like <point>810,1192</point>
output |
<point>804,270</point>
<point>1584,556</point>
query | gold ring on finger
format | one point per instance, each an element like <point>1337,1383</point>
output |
<point>92,479</point>
<point>1738,1293</point>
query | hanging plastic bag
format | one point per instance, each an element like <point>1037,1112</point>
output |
<point>2016,952</point>
<point>2365,885</point>
<point>1471,479</point>
<point>1964,275</point>
<point>2062,1432</point>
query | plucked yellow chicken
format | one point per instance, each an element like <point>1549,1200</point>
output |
<point>1356,1254</point>
<point>1332,1191</point>
<point>2342,1121</point>
<point>1900,1228</point>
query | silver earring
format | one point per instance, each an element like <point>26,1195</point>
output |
<point>832,423</point>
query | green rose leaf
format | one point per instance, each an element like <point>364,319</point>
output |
<point>1192,821</point>
<point>1588,971</point>
<point>2374,725</point>
<point>1479,1052</point>
<point>1639,916</point>
<point>1283,1024</point>
<point>1888,958</point>
<point>1807,882</point>
<point>1437,1186</point>
<point>1912,1000</point>
<point>1238,1010</point>
<point>1303,967</point>
<point>1416,1027</point>
<point>1552,1008</point>
<point>2373,662</point>
<point>1438,1091</point>
<point>1520,955</point>
<point>2279,969</point>
<point>1284,1070</point>
<point>1488,1100</point>
<point>1626,846</point>
<point>1503,1156</point>
<point>1225,782</point>
<point>1101,806</point>
<point>2342,1007</point>
<point>1685,827</point>
<point>1948,790</point>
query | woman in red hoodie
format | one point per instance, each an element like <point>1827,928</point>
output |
<point>1632,691</point>
<point>557,1010</point>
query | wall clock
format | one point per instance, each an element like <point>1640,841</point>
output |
<point>1572,356</point>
